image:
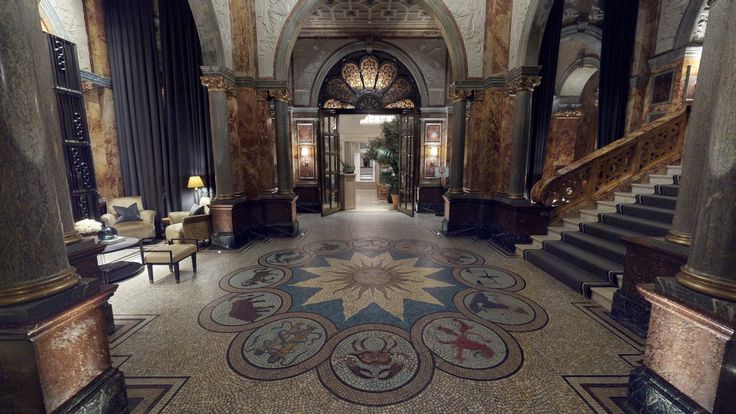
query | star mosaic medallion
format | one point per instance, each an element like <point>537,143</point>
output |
<point>373,317</point>
<point>363,280</point>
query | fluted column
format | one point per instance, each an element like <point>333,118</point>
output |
<point>218,89</point>
<point>53,135</point>
<point>457,150</point>
<point>283,141</point>
<point>33,256</point>
<point>710,266</point>
<point>521,89</point>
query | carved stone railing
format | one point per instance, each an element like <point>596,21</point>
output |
<point>618,164</point>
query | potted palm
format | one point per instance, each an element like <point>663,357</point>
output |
<point>384,149</point>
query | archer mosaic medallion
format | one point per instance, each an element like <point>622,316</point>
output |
<point>374,317</point>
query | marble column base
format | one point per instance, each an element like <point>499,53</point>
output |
<point>429,199</point>
<point>309,198</point>
<point>106,394</point>
<point>231,223</point>
<point>650,394</point>
<point>278,216</point>
<point>461,215</point>
<point>83,257</point>
<point>47,362</point>
<point>649,258</point>
<point>631,311</point>
<point>691,351</point>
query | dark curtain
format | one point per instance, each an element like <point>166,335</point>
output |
<point>617,48</point>
<point>187,138</point>
<point>544,94</point>
<point>136,86</point>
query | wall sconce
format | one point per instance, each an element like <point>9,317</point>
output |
<point>305,151</point>
<point>433,153</point>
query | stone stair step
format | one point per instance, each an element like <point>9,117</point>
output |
<point>556,230</point>
<point>606,206</point>
<point>661,179</point>
<point>636,224</point>
<point>656,200</point>
<point>589,215</point>
<point>642,188</point>
<point>591,262</point>
<point>603,296</point>
<point>622,197</point>
<point>607,231</point>
<point>597,245</point>
<point>663,215</point>
<point>567,273</point>
<point>673,170</point>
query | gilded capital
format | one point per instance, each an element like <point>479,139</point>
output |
<point>283,95</point>
<point>218,83</point>
<point>524,83</point>
<point>457,95</point>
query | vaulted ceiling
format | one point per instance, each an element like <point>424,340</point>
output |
<point>379,18</point>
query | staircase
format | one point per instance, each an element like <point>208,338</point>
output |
<point>585,252</point>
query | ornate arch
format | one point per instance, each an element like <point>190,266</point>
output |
<point>304,8</point>
<point>209,33</point>
<point>532,32</point>
<point>696,11</point>
<point>387,48</point>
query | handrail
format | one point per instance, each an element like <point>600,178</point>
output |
<point>620,163</point>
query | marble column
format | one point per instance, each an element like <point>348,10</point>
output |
<point>218,88</point>
<point>34,260</point>
<point>283,141</point>
<point>521,89</point>
<point>710,266</point>
<point>698,132</point>
<point>457,151</point>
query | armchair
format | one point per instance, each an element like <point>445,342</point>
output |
<point>145,229</point>
<point>184,226</point>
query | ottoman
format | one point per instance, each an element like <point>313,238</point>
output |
<point>170,255</point>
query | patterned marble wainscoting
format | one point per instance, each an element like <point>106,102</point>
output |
<point>367,312</point>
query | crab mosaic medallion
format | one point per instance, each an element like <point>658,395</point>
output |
<point>375,318</point>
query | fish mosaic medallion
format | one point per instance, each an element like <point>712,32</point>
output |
<point>375,318</point>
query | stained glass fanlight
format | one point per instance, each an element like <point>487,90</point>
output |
<point>368,83</point>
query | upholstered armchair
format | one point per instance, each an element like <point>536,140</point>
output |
<point>144,229</point>
<point>183,225</point>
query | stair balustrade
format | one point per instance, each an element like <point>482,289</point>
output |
<point>616,165</point>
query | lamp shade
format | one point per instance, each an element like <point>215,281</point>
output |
<point>195,181</point>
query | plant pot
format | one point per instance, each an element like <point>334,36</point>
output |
<point>395,201</point>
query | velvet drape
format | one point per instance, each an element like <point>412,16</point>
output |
<point>185,102</point>
<point>161,108</point>
<point>544,94</point>
<point>136,86</point>
<point>617,48</point>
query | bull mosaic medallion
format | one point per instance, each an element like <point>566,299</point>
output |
<point>375,318</point>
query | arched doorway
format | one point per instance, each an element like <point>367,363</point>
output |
<point>369,83</point>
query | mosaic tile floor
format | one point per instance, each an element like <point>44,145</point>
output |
<point>367,312</point>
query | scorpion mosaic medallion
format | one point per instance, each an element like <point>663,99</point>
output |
<point>375,318</point>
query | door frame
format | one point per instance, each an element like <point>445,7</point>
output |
<point>398,112</point>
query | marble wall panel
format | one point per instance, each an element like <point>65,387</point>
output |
<point>100,110</point>
<point>243,36</point>
<point>266,139</point>
<point>95,18</point>
<point>563,132</point>
<point>496,54</point>
<point>475,141</point>
<point>644,45</point>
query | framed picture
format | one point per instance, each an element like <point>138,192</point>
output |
<point>305,133</point>
<point>662,88</point>
<point>432,161</point>
<point>307,169</point>
<point>433,132</point>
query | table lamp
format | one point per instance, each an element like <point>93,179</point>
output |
<point>196,183</point>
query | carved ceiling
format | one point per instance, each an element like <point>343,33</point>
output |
<point>583,13</point>
<point>380,18</point>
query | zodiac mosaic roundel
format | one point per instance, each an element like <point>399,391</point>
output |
<point>374,317</point>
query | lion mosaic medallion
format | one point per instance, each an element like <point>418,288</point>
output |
<point>373,317</point>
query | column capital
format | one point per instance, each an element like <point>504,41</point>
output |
<point>523,83</point>
<point>457,95</point>
<point>281,95</point>
<point>218,83</point>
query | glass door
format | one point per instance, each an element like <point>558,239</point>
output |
<point>407,162</point>
<point>329,162</point>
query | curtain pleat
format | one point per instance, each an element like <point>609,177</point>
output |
<point>617,48</point>
<point>186,101</point>
<point>543,96</point>
<point>161,109</point>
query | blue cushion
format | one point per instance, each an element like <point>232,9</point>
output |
<point>129,213</point>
